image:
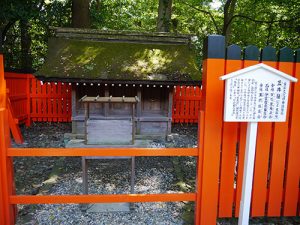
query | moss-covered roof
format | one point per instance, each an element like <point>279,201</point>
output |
<point>73,59</point>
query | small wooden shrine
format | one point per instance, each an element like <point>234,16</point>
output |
<point>122,82</point>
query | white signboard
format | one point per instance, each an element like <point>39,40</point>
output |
<point>257,95</point>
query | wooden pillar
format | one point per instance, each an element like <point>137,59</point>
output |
<point>106,105</point>
<point>74,109</point>
<point>7,212</point>
<point>133,122</point>
<point>86,117</point>
<point>84,175</point>
<point>170,104</point>
<point>139,111</point>
<point>212,105</point>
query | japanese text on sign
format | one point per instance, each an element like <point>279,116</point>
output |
<point>250,99</point>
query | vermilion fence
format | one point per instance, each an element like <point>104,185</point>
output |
<point>186,104</point>
<point>220,152</point>
<point>19,94</point>
<point>32,101</point>
<point>276,174</point>
<point>50,101</point>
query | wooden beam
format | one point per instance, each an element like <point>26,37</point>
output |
<point>63,199</point>
<point>153,119</point>
<point>39,152</point>
<point>85,96</point>
<point>13,124</point>
<point>109,99</point>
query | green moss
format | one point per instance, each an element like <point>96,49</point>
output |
<point>69,58</point>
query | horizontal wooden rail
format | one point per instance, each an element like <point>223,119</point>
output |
<point>16,97</point>
<point>102,152</point>
<point>61,115</point>
<point>63,199</point>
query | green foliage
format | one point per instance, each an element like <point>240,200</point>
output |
<point>40,16</point>
<point>261,23</point>
<point>268,22</point>
<point>137,15</point>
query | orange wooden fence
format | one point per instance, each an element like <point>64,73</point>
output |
<point>32,101</point>
<point>220,153</point>
<point>50,101</point>
<point>276,176</point>
<point>19,94</point>
<point>186,104</point>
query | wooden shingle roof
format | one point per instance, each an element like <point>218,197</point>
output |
<point>77,55</point>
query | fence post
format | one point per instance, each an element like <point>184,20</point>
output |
<point>28,99</point>
<point>2,105</point>
<point>7,212</point>
<point>212,105</point>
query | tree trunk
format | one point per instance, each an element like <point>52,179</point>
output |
<point>81,14</point>
<point>164,15</point>
<point>228,14</point>
<point>26,58</point>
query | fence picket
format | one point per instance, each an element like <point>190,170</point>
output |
<point>293,158</point>
<point>264,138</point>
<point>279,146</point>
<point>229,142</point>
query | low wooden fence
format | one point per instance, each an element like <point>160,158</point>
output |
<point>33,101</point>
<point>50,101</point>
<point>186,104</point>
<point>19,94</point>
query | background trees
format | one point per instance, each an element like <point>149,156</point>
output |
<point>25,25</point>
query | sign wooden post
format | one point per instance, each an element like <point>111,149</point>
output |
<point>255,94</point>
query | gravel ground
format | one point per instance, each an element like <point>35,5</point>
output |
<point>59,175</point>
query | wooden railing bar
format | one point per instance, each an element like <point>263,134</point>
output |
<point>63,199</point>
<point>38,152</point>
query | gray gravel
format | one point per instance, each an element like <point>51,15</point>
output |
<point>153,175</point>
